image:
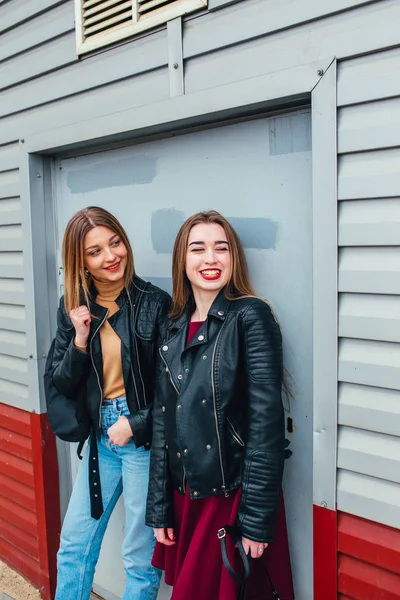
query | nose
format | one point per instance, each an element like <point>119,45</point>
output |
<point>210,256</point>
<point>109,255</point>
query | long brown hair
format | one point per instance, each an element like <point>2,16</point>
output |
<point>76,280</point>
<point>238,286</point>
<point>239,283</point>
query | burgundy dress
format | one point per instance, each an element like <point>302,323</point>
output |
<point>194,567</point>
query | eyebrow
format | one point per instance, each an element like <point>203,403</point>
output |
<point>215,243</point>
<point>97,246</point>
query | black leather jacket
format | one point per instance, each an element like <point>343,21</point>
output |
<point>141,325</point>
<point>218,420</point>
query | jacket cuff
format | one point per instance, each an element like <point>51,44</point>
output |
<point>262,484</point>
<point>159,507</point>
<point>140,423</point>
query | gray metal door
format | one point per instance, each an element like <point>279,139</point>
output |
<point>258,174</point>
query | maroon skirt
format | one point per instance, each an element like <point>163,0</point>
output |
<point>194,567</point>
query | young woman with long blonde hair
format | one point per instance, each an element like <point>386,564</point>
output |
<point>218,423</point>
<point>110,324</point>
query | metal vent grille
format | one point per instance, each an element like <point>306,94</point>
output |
<point>100,23</point>
<point>148,7</point>
<point>100,16</point>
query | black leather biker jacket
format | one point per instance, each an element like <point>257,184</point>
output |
<point>140,323</point>
<point>218,421</point>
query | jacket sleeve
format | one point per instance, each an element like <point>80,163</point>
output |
<point>141,420</point>
<point>159,511</point>
<point>264,428</point>
<point>69,364</point>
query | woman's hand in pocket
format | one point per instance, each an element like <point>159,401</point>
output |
<point>120,433</point>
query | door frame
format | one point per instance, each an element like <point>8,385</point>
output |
<point>313,82</point>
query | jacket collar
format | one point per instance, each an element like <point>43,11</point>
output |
<point>219,309</point>
<point>136,288</point>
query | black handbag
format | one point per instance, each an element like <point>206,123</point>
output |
<point>240,579</point>
<point>68,417</point>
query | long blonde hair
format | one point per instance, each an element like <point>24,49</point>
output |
<point>239,283</point>
<point>238,286</point>
<point>76,280</point>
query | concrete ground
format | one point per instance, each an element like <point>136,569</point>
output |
<point>15,587</point>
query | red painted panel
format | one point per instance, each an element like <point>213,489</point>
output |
<point>15,444</point>
<point>44,455</point>
<point>370,542</point>
<point>17,492</point>
<point>363,581</point>
<point>29,497</point>
<point>13,513</point>
<point>341,597</point>
<point>15,419</point>
<point>325,554</point>
<point>16,468</point>
<point>21,562</point>
<point>19,538</point>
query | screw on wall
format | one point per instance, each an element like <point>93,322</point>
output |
<point>320,72</point>
<point>324,504</point>
<point>38,175</point>
<point>175,65</point>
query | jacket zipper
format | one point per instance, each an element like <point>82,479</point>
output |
<point>223,487</point>
<point>169,372</point>
<point>176,389</point>
<point>94,366</point>
<point>137,357</point>
<point>235,433</point>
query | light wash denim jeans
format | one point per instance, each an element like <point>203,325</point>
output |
<point>124,468</point>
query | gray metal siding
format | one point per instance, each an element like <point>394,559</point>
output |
<point>369,307</point>
<point>13,354</point>
<point>45,87</point>
<point>38,61</point>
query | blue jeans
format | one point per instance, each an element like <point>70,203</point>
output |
<point>81,536</point>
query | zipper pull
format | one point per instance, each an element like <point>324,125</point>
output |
<point>226,494</point>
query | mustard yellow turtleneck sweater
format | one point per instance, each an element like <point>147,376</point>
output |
<point>113,381</point>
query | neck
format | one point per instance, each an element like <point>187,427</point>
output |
<point>109,290</point>
<point>203,300</point>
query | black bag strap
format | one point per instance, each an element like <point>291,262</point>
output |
<point>222,533</point>
<point>80,448</point>
<point>242,581</point>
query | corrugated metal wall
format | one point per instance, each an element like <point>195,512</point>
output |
<point>13,354</point>
<point>17,495</point>
<point>43,86</point>
<point>369,285</point>
<point>29,514</point>
<point>369,560</point>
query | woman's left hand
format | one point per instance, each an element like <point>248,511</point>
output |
<point>120,433</point>
<point>255,549</point>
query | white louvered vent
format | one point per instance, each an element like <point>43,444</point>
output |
<point>105,15</point>
<point>103,22</point>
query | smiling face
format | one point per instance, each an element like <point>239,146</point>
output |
<point>105,254</point>
<point>208,258</point>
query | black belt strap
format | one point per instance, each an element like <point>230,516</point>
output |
<point>96,501</point>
